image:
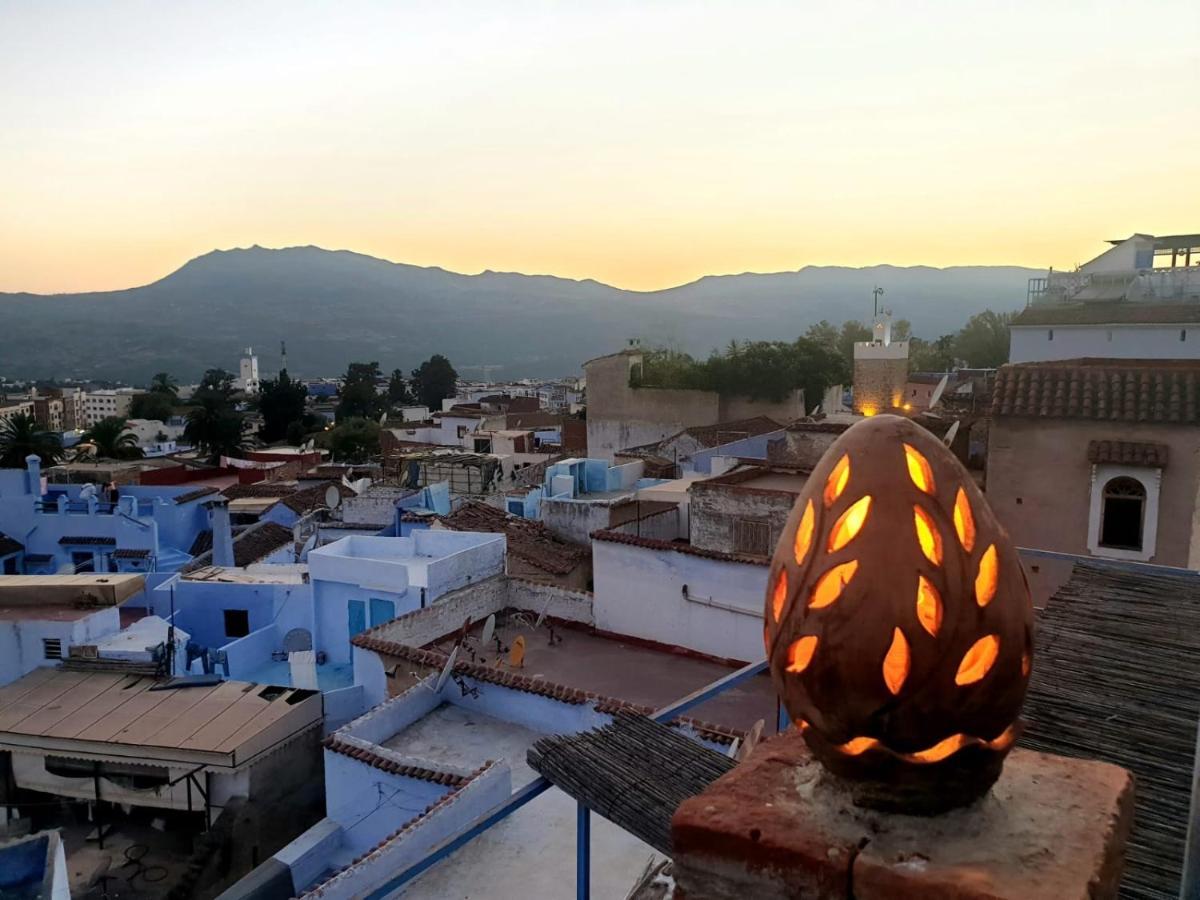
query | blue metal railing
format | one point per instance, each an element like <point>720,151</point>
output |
<point>540,785</point>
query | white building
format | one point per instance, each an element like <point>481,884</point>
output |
<point>247,379</point>
<point>1140,299</point>
<point>22,408</point>
<point>104,404</point>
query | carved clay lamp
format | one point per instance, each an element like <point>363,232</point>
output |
<point>899,622</point>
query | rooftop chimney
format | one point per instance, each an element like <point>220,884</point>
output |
<point>222,548</point>
<point>33,474</point>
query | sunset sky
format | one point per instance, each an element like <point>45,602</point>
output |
<point>642,144</point>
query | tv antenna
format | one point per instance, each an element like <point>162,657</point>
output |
<point>283,356</point>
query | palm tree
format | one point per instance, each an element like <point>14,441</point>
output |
<point>111,440</point>
<point>215,427</point>
<point>164,383</point>
<point>21,436</point>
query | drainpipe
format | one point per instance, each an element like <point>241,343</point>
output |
<point>222,549</point>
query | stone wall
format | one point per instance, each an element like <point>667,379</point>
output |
<point>880,376</point>
<point>715,508</point>
<point>620,416</point>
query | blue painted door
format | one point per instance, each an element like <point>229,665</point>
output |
<point>358,617</point>
<point>382,611</point>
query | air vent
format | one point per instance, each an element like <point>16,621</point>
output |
<point>52,648</point>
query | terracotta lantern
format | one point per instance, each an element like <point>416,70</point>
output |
<point>899,622</point>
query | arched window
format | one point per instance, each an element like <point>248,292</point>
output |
<point>1123,514</point>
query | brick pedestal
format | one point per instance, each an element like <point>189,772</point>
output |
<point>1052,828</point>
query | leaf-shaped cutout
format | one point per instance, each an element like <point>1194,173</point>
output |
<point>896,663</point>
<point>964,521</point>
<point>918,469</point>
<point>800,654</point>
<point>849,524</point>
<point>779,595</point>
<point>830,585</point>
<point>804,533</point>
<point>929,606</point>
<point>978,661</point>
<point>928,536</point>
<point>989,574</point>
<point>837,481</point>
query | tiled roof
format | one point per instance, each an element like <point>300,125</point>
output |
<point>724,432</point>
<point>261,489</point>
<point>1129,453</point>
<point>130,554</point>
<point>539,686</point>
<point>393,767</point>
<point>314,497</point>
<point>195,495</point>
<point>202,543</point>
<point>1112,390</point>
<point>255,543</point>
<point>87,541</point>
<point>527,540</point>
<point>8,545</point>
<point>1119,313</point>
<point>633,540</point>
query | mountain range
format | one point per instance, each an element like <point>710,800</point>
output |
<point>334,307</point>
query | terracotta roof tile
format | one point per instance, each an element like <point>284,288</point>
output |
<point>632,540</point>
<point>194,495</point>
<point>1117,313</point>
<point>1111,390</point>
<point>528,540</point>
<point>1129,453</point>
<point>87,541</point>
<point>255,543</point>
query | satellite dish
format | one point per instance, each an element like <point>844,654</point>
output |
<point>816,411</point>
<point>489,629</point>
<point>732,752</point>
<point>65,569</point>
<point>446,669</point>
<point>333,497</point>
<point>382,418</point>
<point>542,615</point>
<point>937,392</point>
<point>949,438</point>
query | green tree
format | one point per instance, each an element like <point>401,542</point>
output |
<point>157,405</point>
<point>354,440</point>
<point>824,333</point>
<point>434,381</point>
<point>931,356</point>
<point>397,389</point>
<point>852,333</point>
<point>296,433</point>
<point>901,330</point>
<point>281,402</point>
<point>164,383</point>
<point>216,381</point>
<point>22,436</point>
<point>359,397</point>
<point>111,440</point>
<point>983,341</point>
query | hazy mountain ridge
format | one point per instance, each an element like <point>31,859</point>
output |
<point>334,306</point>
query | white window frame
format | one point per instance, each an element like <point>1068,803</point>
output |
<point>1150,480</point>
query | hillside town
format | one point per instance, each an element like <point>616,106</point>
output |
<point>395,632</point>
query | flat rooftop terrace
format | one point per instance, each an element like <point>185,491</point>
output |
<point>532,852</point>
<point>627,670</point>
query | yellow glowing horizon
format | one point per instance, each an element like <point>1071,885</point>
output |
<point>640,145</point>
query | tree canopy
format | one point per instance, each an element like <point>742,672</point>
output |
<point>359,397</point>
<point>158,405</point>
<point>433,381</point>
<point>281,402</point>
<point>354,440</point>
<point>397,389</point>
<point>761,370</point>
<point>214,426</point>
<point>111,440</point>
<point>22,436</point>
<point>983,342</point>
<point>164,383</point>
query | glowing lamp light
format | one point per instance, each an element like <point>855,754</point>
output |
<point>899,623</point>
<point>869,411</point>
